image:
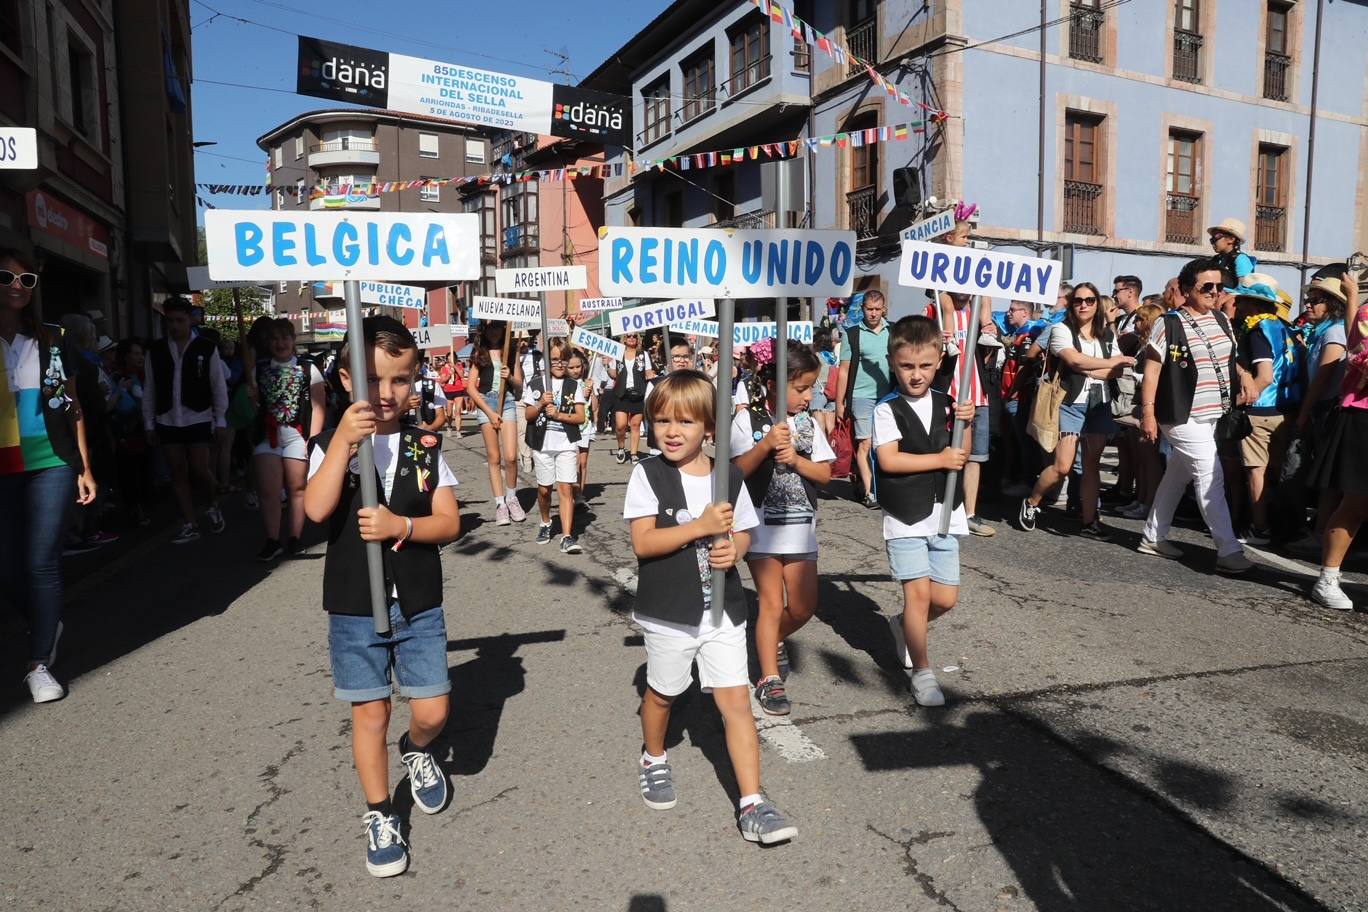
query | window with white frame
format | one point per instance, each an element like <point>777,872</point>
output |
<point>430,193</point>
<point>278,157</point>
<point>299,147</point>
<point>475,151</point>
<point>299,191</point>
<point>280,199</point>
<point>427,145</point>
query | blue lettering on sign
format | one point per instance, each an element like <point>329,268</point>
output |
<point>282,243</point>
<point>247,242</point>
<point>373,243</point>
<point>622,260</point>
<point>1023,281</point>
<point>311,254</point>
<point>400,233</point>
<point>750,261</point>
<point>812,266</point>
<point>983,273</point>
<point>648,259</point>
<point>688,262</point>
<point>918,265</point>
<point>777,265</point>
<point>715,262</point>
<point>436,247</point>
<point>962,275</point>
<point>939,263</point>
<point>346,249</point>
<point>842,260</point>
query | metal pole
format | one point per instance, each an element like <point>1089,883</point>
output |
<point>1040,138</point>
<point>968,357</point>
<point>726,319</point>
<point>365,453</point>
<point>546,347</point>
<point>1311,142</point>
<point>669,360</point>
<point>781,359</point>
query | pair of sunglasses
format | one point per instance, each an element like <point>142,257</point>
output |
<point>1085,300</point>
<point>26,279</point>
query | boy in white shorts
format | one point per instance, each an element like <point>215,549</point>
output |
<point>555,420</point>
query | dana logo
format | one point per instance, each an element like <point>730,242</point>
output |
<point>585,114</point>
<point>576,111</point>
<point>342,71</point>
<point>351,75</point>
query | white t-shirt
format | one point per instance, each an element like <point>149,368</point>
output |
<point>886,431</point>
<point>788,522</point>
<point>556,441</point>
<point>1061,339</point>
<point>642,501</point>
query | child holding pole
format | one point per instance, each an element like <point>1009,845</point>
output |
<point>555,418</point>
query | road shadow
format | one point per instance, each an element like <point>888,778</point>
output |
<point>860,622</point>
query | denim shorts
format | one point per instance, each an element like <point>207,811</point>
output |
<point>491,399</point>
<point>416,650</point>
<point>936,556</point>
<point>982,439</point>
<point>1079,419</point>
<point>862,410</point>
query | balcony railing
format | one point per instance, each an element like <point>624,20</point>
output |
<point>1180,219</point>
<point>349,144</point>
<point>1187,56</point>
<point>864,213</point>
<point>759,218</point>
<point>519,238</point>
<point>863,42</point>
<point>802,57</point>
<point>1275,76</point>
<point>1270,228</point>
<point>1082,207</point>
<point>1085,34</point>
<point>749,75</point>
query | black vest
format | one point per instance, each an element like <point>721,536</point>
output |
<point>304,405</point>
<point>195,392</point>
<point>758,482</point>
<point>637,391</point>
<point>536,430</point>
<point>416,569</point>
<point>1178,370</point>
<point>1073,381</point>
<point>669,588</point>
<point>909,498</point>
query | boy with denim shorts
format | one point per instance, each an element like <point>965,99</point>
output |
<point>912,431</point>
<point>417,514</point>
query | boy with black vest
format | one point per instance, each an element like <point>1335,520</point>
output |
<point>912,456</point>
<point>417,514</point>
<point>680,537</point>
<point>554,420</point>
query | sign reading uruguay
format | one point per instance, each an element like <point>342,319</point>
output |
<point>506,309</point>
<point>599,305</point>
<point>750,333</point>
<point>938,225</point>
<point>545,278</point>
<point>979,272</point>
<point>280,246</point>
<point>726,263</point>
<point>659,314</point>
<point>387,295</point>
<point>596,344</point>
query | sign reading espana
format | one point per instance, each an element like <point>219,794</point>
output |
<point>596,344</point>
<point>979,272</point>
<point>506,309</point>
<point>344,72</point>
<point>598,305</point>
<point>938,225</point>
<point>726,263</point>
<point>659,314</point>
<point>281,246</point>
<point>541,278</point>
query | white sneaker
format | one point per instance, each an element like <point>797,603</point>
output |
<point>515,510</point>
<point>1161,548</point>
<point>1234,563</point>
<point>43,685</point>
<point>895,625</point>
<point>1327,592</point>
<point>926,689</point>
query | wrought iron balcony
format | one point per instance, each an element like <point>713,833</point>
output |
<point>1085,34</point>
<point>1082,207</point>
<point>759,218</point>
<point>1187,56</point>
<point>1276,67</point>
<point>1270,228</point>
<point>749,75</point>
<point>1180,219</point>
<point>864,213</point>
<point>346,144</point>
<point>863,42</point>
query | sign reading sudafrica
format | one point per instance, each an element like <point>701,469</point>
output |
<point>979,272</point>
<point>396,82</point>
<point>726,263</point>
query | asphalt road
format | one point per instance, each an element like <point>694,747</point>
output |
<point>1122,733</point>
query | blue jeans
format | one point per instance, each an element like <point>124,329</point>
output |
<point>364,663</point>
<point>33,514</point>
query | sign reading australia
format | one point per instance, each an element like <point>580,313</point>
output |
<point>343,72</point>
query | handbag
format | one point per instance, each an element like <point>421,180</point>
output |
<point>842,440</point>
<point>1044,424</point>
<point>1234,424</point>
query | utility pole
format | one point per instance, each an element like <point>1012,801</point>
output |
<point>562,68</point>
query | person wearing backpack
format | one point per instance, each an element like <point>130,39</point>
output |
<point>864,380</point>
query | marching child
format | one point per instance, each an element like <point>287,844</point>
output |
<point>784,462</point>
<point>417,514</point>
<point>912,451</point>
<point>554,420</point>
<point>578,368</point>
<point>680,537</point>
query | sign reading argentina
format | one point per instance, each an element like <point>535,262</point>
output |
<point>978,272</point>
<point>726,263</point>
<point>301,246</point>
<point>938,225</point>
<point>596,344</point>
<point>541,278</point>
<point>506,309</point>
<point>659,314</point>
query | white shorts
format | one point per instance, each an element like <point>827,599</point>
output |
<point>586,437</point>
<point>720,653</point>
<point>551,468</point>
<point>292,446</point>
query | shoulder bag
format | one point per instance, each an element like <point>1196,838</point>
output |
<point>1234,423</point>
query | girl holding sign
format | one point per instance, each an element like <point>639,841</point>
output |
<point>496,399</point>
<point>629,387</point>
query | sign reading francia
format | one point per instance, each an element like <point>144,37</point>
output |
<point>280,246</point>
<point>938,225</point>
<point>659,314</point>
<point>599,305</point>
<point>726,263</point>
<point>978,272</point>
<point>596,344</point>
<point>506,309</point>
<point>541,278</point>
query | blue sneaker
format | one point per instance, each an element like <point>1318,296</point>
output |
<point>385,852</point>
<point>427,782</point>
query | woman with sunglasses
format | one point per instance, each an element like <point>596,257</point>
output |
<point>629,378</point>
<point>1190,383</point>
<point>43,462</point>
<point>1083,351</point>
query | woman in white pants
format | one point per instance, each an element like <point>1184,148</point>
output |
<point>1190,382</point>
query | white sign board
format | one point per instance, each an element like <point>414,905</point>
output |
<point>659,314</point>
<point>18,148</point>
<point>695,328</point>
<point>596,344</point>
<point>750,333</point>
<point>726,263</point>
<point>459,330</point>
<point>599,305</point>
<point>555,328</point>
<point>979,272</point>
<point>506,309</point>
<point>385,294</point>
<point>938,225</point>
<point>197,277</point>
<point>278,246</point>
<point>542,278</point>
<point>438,336</point>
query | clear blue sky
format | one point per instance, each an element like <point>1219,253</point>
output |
<point>510,37</point>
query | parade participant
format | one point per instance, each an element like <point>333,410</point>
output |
<point>1148,467</point>
<point>291,410</point>
<point>629,378</point>
<point>1226,239</point>
<point>1189,388</point>
<point>452,379</point>
<point>783,462</point>
<point>1020,375</point>
<point>1328,340</point>
<point>497,419</point>
<point>956,334</point>
<point>428,403</point>
<point>530,359</point>
<point>863,381</point>
<point>944,309</point>
<point>555,417</point>
<point>418,514</point>
<point>680,537</point>
<point>912,429</point>
<point>1082,349</point>
<point>823,408</point>
<point>681,358</point>
<point>578,368</point>
<point>185,399</point>
<point>44,468</point>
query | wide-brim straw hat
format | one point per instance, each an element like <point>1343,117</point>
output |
<point>1329,286</point>
<point>1229,226</point>
<point>1258,287</point>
